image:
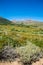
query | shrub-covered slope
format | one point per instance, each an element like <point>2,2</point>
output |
<point>4,21</point>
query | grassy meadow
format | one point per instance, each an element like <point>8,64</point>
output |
<point>25,39</point>
<point>19,34</point>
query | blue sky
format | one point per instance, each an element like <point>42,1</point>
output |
<point>22,9</point>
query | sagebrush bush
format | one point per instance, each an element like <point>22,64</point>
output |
<point>8,54</point>
<point>29,53</point>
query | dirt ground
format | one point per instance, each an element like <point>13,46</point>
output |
<point>12,63</point>
<point>40,62</point>
<point>16,62</point>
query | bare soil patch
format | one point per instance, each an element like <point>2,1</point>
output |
<point>40,62</point>
<point>12,63</point>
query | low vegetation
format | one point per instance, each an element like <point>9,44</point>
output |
<point>29,53</point>
<point>26,39</point>
<point>8,54</point>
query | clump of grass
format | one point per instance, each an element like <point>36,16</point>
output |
<point>29,53</point>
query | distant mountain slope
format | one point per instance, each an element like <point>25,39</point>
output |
<point>29,22</point>
<point>4,21</point>
<point>25,22</point>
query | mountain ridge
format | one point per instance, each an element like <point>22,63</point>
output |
<point>4,21</point>
<point>31,22</point>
